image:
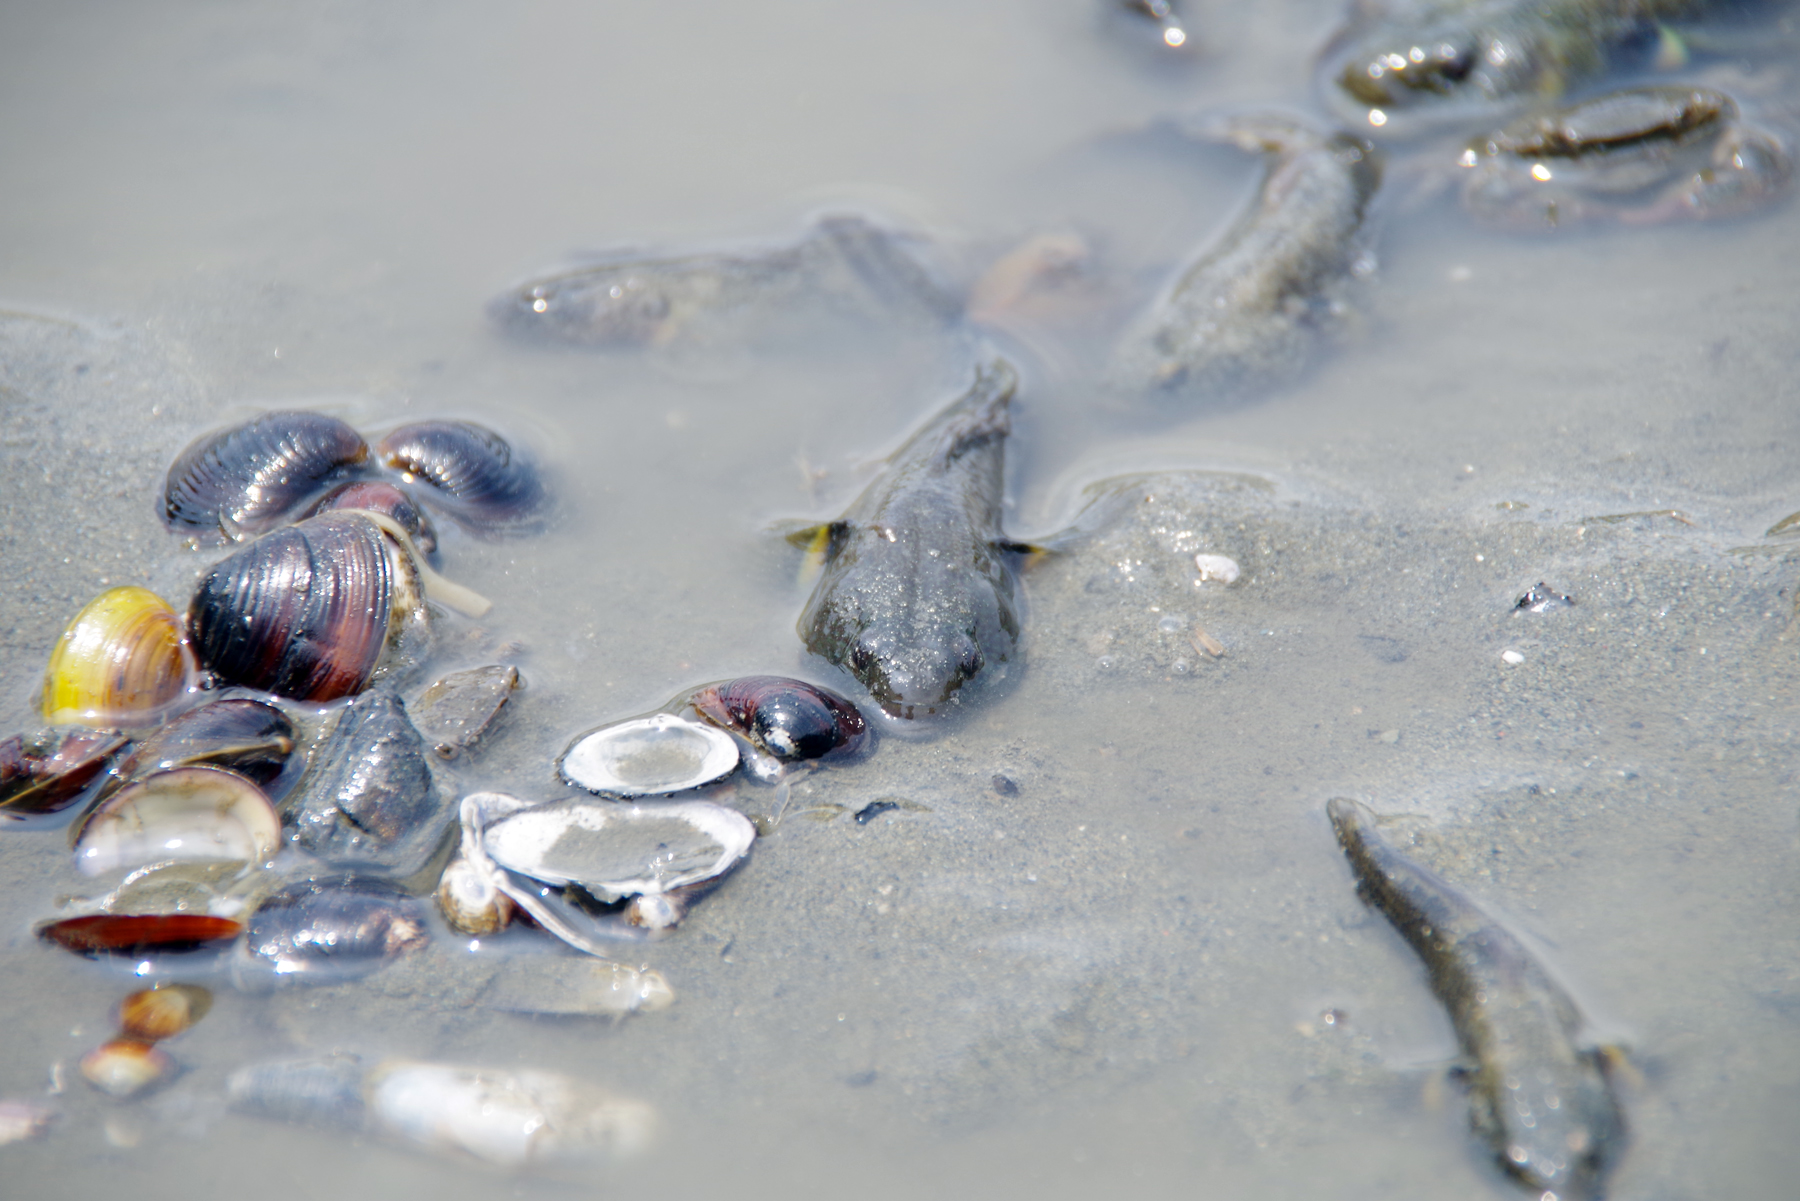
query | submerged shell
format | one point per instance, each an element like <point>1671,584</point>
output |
<point>470,898</point>
<point>240,481</point>
<point>330,930</point>
<point>379,496</point>
<point>473,472</point>
<point>615,851</point>
<point>789,719</point>
<point>456,710</point>
<point>53,770</point>
<point>153,1014</point>
<point>369,796</point>
<point>315,611</point>
<point>504,1118</point>
<point>125,1067</point>
<point>187,813</point>
<point>252,738</point>
<point>647,756</point>
<point>140,933</point>
<point>123,661</point>
<point>571,986</point>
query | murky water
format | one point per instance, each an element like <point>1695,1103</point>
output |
<point>1106,970</point>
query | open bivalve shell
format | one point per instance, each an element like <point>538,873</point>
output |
<point>189,813</point>
<point>649,756</point>
<point>616,851</point>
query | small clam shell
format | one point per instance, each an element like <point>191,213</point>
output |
<point>139,934</point>
<point>651,755</point>
<point>315,611</point>
<point>187,813</point>
<point>789,719</point>
<point>379,496</point>
<point>242,480</point>
<point>252,738</point>
<point>125,1067</point>
<point>323,931</point>
<point>123,661</point>
<point>474,474</point>
<point>616,851</point>
<point>153,1014</point>
<point>52,772</point>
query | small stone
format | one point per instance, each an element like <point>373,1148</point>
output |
<point>1217,568</point>
<point>1512,657</point>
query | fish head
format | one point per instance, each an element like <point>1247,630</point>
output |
<point>918,675</point>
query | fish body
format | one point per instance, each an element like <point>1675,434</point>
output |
<point>1541,1101</point>
<point>916,596</point>
<point>1421,60</point>
<point>651,300</point>
<point>1250,311</point>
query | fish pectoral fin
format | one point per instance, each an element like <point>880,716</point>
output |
<point>819,541</point>
<point>1030,553</point>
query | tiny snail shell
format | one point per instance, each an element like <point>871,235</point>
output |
<point>240,481</point>
<point>123,661</point>
<point>314,611</point>
<point>789,719</point>
<point>474,473</point>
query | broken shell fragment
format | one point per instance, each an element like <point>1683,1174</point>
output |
<point>153,1014</point>
<point>456,710</point>
<point>646,756</point>
<point>615,851</point>
<point>125,1067</point>
<point>184,814</point>
<point>23,1118</point>
<point>1217,567</point>
<point>123,661</point>
<point>249,737</point>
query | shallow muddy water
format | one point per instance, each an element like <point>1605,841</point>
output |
<point>1093,946</point>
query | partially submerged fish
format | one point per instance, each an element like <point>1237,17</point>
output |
<point>1418,59</point>
<point>1540,1100</point>
<point>916,596</point>
<point>651,300</point>
<point>1250,311</point>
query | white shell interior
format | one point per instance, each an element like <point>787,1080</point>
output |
<point>187,813</point>
<point>649,755</point>
<point>615,850</point>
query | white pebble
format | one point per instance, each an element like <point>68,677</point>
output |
<point>1217,567</point>
<point>1512,657</point>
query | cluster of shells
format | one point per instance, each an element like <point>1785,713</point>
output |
<point>253,800</point>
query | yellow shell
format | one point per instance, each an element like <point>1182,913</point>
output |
<point>121,662</point>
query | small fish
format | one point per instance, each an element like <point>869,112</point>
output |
<point>1250,311</point>
<point>651,300</point>
<point>916,596</point>
<point>1399,64</point>
<point>1543,1103</point>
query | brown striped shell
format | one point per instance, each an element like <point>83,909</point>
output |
<point>315,611</point>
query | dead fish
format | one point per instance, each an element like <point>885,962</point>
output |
<point>1542,1102</point>
<point>1252,309</point>
<point>917,594</point>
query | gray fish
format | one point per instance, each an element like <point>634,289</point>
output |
<point>649,300</point>
<point>1540,1100</point>
<point>1249,313</point>
<point>916,595</point>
